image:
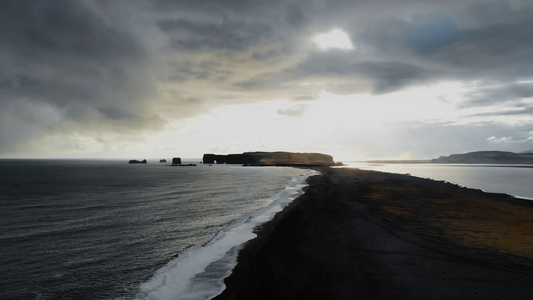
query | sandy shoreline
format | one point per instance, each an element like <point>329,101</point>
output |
<point>371,235</point>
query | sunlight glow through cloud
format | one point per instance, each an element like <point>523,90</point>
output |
<point>333,39</point>
<point>268,126</point>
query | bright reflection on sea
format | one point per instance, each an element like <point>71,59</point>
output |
<point>509,179</point>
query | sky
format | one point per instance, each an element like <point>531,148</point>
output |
<point>357,79</point>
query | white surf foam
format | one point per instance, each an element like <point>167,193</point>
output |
<point>198,272</point>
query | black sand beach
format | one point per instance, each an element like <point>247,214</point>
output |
<point>368,235</point>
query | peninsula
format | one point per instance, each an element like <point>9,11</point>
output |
<point>477,157</point>
<point>486,157</point>
<point>271,159</point>
<point>359,234</point>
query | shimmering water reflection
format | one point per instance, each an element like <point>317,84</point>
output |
<point>514,180</point>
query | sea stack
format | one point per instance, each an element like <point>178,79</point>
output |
<point>176,161</point>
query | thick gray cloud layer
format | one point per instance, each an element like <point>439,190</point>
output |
<point>114,69</point>
<point>68,68</point>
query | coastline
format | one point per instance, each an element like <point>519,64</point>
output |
<point>198,272</point>
<point>375,235</point>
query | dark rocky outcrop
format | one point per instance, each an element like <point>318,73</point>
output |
<point>271,159</point>
<point>220,159</point>
<point>242,159</point>
<point>134,161</point>
<point>486,157</point>
<point>176,161</point>
<point>162,160</point>
<point>209,158</point>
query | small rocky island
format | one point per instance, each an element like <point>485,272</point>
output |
<point>134,161</point>
<point>486,157</point>
<point>176,161</point>
<point>271,159</point>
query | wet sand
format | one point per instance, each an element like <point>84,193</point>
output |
<point>369,235</point>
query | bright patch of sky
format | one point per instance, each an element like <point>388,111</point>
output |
<point>334,39</point>
<point>266,126</point>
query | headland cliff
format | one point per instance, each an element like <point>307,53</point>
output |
<point>271,159</point>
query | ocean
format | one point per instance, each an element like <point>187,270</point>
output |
<point>515,180</point>
<point>89,229</point>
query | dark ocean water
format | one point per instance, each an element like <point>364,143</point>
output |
<point>73,229</point>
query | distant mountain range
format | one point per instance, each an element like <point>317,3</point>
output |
<point>487,157</point>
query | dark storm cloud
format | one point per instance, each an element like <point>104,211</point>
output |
<point>60,29</point>
<point>390,76</point>
<point>115,114</point>
<point>187,70</point>
<point>217,6</point>
<point>295,16</point>
<point>72,63</point>
<point>497,51</point>
<point>92,67</point>
<point>480,40</point>
<point>432,34</point>
<point>476,40</point>
<point>267,54</point>
<point>510,94</point>
<point>341,66</point>
<point>397,44</point>
<point>226,34</point>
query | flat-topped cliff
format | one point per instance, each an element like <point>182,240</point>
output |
<point>271,159</point>
<point>486,157</point>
